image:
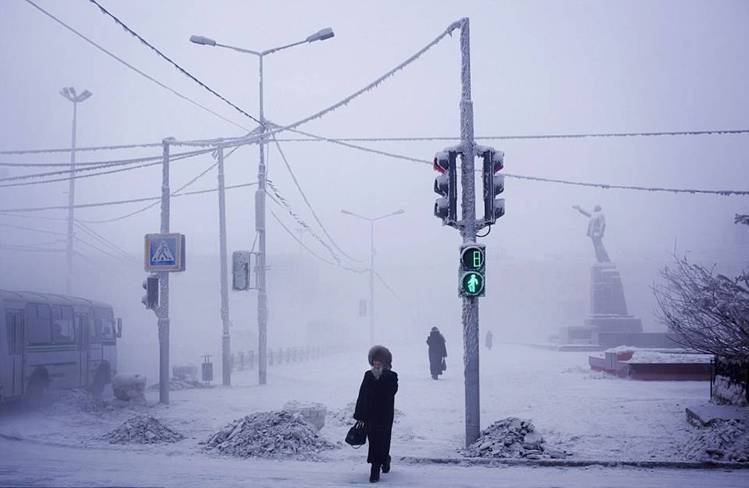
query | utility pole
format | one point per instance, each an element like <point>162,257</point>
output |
<point>260,229</point>
<point>372,221</point>
<point>162,312</point>
<point>70,94</point>
<point>468,182</point>
<point>225,337</point>
<point>262,294</point>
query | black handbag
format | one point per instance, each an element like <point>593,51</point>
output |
<point>357,435</point>
<point>444,365</point>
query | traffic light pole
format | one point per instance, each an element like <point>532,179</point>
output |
<point>225,337</point>
<point>162,312</point>
<point>262,294</point>
<point>470,313</point>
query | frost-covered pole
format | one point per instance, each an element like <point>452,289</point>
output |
<point>163,309</point>
<point>262,296</point>
<point>468,182</point>
<point>71,207</point>
<point>75,98</point>
<point>225,337</point>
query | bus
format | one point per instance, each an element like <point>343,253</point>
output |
<point>54,342</point>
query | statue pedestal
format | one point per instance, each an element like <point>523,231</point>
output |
<point>608,320</point>
<point>608,307</point>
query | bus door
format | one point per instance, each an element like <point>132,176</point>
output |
<point>82,330</point>
<point>16,343</point>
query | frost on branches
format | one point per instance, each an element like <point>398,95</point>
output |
<point>708,311</point>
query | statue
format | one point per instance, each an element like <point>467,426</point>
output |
<point>596,228</point>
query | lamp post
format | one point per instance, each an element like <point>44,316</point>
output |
<point>262,298</point>
<point>72,96</point>
<point>371,221</point>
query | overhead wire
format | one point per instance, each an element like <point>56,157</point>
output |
<point>279,200</point>
<point>151,205</point>
<point>605,186</point>
<point>133,68</point>
<point>95,235</point>
<point>170,61</point>
<point>94,165</point>
<point>93,174</point>
<point>307,202</point>
<point>581,135</point>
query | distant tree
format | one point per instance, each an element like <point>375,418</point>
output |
<point>709,312</point>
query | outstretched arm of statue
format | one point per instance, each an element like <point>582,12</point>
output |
<point>577,207</point>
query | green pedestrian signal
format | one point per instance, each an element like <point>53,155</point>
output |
<point>472,284</point>
<point>472,269</point>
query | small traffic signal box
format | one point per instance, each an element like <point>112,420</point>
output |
<point>472,270</point>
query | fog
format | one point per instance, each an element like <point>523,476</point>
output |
<point>538,67</point>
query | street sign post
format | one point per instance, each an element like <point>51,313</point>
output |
<point>165,252</point>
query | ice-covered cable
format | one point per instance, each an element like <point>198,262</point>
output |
<point>605,186</point>
<point>150,206</point>
<point>170,61</point>
<point>307,202</point>
<point>279,200</point>
<point>582,135</point>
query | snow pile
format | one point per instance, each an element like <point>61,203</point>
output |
<point>724,440</point>
<point>314,413</point>
<point>511,438</point>
<point>129,387</point>
<point>81,400</point>
<point>279,434</point>
<point>176,384</point>
<point>142,429</point>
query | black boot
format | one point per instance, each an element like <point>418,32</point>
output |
<point>374,474</point>
<point>386,466</point>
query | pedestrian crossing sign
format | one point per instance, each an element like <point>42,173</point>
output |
<point>165,252</point>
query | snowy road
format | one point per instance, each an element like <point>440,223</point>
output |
<point>29,464</point>
<point>589,414</point>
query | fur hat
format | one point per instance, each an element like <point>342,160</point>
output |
<point>435,329</point>
<point>382,354</point>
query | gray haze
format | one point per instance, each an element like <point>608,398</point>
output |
<point>538,67</point>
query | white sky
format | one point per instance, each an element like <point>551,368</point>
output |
<point>537,67</point>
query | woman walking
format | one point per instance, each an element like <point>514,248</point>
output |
<point>437,352</point>
<point>375,408</point>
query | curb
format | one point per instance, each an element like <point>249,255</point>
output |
<point>573,463</point>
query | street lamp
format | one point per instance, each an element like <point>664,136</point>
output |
<point>75,98</point>
<point>372,221</point>
<point>262,298</point>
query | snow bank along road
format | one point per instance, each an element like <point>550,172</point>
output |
<point>29,464</point>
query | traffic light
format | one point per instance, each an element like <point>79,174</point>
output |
<point>494,184</point>
<point>445,185</point>
<point>151,298</point>
<point>472,270</point>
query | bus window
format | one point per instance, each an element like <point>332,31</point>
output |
<point>63,331</point>
<point>10,321</point>
<point>104,325</point>
<point>39,323</point>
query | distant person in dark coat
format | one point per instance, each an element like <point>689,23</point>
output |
<point>375,408</point>
<point>489,341</point>
<point>437,352</point>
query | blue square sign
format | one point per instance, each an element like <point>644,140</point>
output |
<point>165,252</point>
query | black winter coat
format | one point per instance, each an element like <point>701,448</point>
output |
<point>375,406</point>
<point>437,351</point>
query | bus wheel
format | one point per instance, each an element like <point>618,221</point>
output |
<point>34,394</point>
<point>101,378</point>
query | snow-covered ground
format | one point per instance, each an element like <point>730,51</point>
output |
<point>591,415</point>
